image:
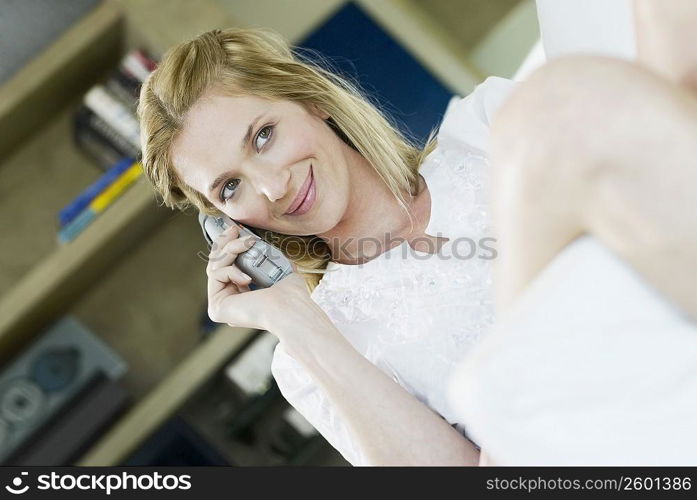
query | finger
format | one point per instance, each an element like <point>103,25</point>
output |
<point>229,234</point>
<point>229,252</point>
<point>217,291</point>
<point>230,274</point>
<point>227,280</point>
<point>220,278</point>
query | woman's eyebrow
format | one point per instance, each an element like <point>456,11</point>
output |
<point>248,135</point>
<point>218,180</point>
<point>243,143</point>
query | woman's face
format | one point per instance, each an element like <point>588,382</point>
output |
<point>268,164</point>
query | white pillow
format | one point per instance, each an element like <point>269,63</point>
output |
<point>587,26</point>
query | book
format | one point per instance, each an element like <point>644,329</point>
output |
<point>109,109</point>
<point>101,131</point>
<point>138,64</point>
<point>73,229</point>
<point>93,144</point>
<point>73,209</point>
<point>105,126</point>
<point>125,89</point>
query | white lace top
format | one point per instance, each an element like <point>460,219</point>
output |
<point>412,314</point>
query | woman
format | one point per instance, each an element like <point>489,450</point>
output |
<point>391,240</point>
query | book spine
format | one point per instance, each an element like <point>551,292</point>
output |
<point>128,82</point>
<point>123,94</point>
<point>99,138</point>
<point>145,58</point>
<point>69,212</point>
<point>108,133</point>
<point>93,145</point>
<point>125,87</point>
<point>109,109</point>
<point>138,64</point>
<point>100,203</point>
<point>117,188</point>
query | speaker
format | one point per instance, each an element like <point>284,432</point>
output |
<point>39,382</point>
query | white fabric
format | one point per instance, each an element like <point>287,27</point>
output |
<point>599,27</point>
<point>591,367</point>
<point>411,314</point>
<point>603,27</point>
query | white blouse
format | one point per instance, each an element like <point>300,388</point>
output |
<point>412,314</point>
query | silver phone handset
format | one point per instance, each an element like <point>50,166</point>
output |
<point>264,263</point>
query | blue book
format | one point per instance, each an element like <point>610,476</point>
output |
<point>72,210</point>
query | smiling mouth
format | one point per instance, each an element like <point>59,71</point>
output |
<point>305,198</point>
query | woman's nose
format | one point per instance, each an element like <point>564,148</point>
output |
<point>274,184</point>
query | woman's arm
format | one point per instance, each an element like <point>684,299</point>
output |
<point>386,423</point>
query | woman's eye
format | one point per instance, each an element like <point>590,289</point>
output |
<point>263,135</point>
<point>229,189</point>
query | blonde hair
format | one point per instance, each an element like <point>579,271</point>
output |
<point>260,62</point>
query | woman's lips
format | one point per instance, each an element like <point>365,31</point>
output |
<point>306,196</point>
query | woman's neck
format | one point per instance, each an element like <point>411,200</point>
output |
<point>374,220</point>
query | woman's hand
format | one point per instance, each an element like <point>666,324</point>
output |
<point>285,309</point>
<point>225,280</point>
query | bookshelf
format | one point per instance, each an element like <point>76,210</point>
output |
<point>42,86</point>
<point>111,277</point>
<point>164,399</point>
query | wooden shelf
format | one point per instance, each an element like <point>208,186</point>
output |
<point>39,178</point>
<point>148,306</point>
<point>136,259</point>
<point>166,398</point>
<point>66,69</point>
<point>55,282</point>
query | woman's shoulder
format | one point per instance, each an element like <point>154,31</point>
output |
<point>457,171</point>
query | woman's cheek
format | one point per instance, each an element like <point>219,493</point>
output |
<point>250,210</point>
<point>292,152</point>
<point>299,144</point>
